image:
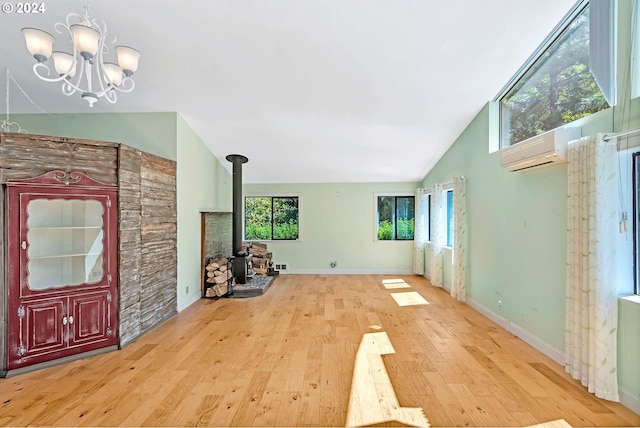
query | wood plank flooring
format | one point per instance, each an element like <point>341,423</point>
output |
<point>287,358</point>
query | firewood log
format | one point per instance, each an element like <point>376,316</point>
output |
<point>212,266</point>
<point>220,279</point>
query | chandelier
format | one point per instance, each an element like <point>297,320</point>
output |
<point>85,70</point>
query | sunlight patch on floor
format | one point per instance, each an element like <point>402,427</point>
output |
<point>558,423</point>
<point>393,281</point>
<point>410,298</point>
<point>372,399</point>
<point>394,285</point>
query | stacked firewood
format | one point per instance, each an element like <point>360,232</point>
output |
<point>261,257</point>
<point>218,273</point>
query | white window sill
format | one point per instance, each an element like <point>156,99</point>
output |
<point>632,298</point>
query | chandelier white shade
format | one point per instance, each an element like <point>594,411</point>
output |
<point>84,71</point>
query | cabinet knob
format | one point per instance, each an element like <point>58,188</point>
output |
<point>65,320</point>
<point>70,320</point>
<point>23,245</point>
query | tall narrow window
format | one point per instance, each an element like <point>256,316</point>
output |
<point>449,218</point>
<point>395,218</point>
<point>271,218</point>
<point>429,217</point>
<point>635,40</point>
<point>636,219</point>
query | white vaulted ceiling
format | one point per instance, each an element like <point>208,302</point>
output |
<point>308,90</point>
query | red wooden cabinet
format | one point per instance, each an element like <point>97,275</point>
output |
<point>62,271</point>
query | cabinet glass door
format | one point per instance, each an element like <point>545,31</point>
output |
<point>65,243</point>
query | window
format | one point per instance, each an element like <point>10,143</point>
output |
<point>636,220</point>
<point>271,218</point>
<point>395,218</point>
<point>635,40</point>
<point>449,218</point>
<point>428,213</point>
<point>557,85</point>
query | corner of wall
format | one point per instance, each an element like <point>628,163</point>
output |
<point>494,126</point>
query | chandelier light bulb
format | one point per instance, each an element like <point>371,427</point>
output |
<point>64,63</point>
<point>39,43</point>
<point>113,73</point>
<point>86,40</point>
<point>128,59</point>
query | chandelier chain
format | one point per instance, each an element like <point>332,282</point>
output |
<point>6,124</point>
<point>26,96</point>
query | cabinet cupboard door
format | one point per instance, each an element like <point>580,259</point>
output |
<point>91,321</point>
<point>43,327</point>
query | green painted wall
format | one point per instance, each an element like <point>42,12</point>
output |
<point>337,224</point>
<point>517,228</point>
<point>153,133</point>
<point>203,185</point>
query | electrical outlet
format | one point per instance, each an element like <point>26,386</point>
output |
<point>187,289</point>
<point>500,304</point>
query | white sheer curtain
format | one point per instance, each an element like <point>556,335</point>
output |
<point>592,304</point>
<point>420,231</point>
<point>459,286</point>
<point>437,212</point>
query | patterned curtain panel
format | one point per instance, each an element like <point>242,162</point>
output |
<point>437,235</point>
<point>459,286</point>
<point>420,232</point>
<point>592,303</point>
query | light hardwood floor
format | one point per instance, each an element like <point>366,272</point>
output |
<point>287,359</point>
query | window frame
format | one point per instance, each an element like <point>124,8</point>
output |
<point>449,216</point>
<point>549,42</point>
<point>635,41</point>
<point>635,189</point>
<point>375,214</point>
<point>272,195</point>
<point>428,196</point>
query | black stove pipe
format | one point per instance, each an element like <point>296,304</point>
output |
<point>237,161</point>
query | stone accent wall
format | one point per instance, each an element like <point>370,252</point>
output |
<point>217,240</point>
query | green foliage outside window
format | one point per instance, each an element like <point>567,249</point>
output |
<point>395,218</point>
<point>558,89</point>
<point>271,218</point>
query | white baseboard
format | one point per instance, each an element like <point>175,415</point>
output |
<point>629,400</point>
<point>502,322</point>
<point>542,346</point>
<point>555,354</point>
<point>337,271</point>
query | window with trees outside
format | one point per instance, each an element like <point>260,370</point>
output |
<point>558,87</point>
<point>271,218</point>
<point>395,218</point>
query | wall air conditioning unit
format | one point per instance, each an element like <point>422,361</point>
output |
<point>542,150</point>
